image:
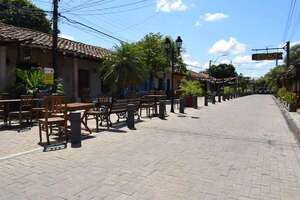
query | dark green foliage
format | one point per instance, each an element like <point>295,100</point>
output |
<point>295,54</point>
<point>222,71</point>
<point>23,13</point>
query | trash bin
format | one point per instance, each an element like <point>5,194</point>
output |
<point>75,119</point>
<point>130,116</point>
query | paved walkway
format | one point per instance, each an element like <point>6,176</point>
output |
<point>241,149</point>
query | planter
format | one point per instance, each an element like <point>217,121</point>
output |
<point>292,108</point>
<point>188,101</point>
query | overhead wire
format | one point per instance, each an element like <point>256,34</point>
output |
<point>289,20</point>
<point>115,7</point>
<point>92,28</point>
<point>118,12</point>
<point>89,32</point>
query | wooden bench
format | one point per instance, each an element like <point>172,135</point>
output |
<point>119,108</point>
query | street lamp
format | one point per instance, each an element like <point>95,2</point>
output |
<point>170,48</point>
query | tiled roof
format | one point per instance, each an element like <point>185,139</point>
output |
<point>43,40</point>
<point>200,75</point>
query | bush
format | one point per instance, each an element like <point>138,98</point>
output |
<point>228,90</point>
<point>281,93</point>
<point>190,88</point>
<point>290,98</point>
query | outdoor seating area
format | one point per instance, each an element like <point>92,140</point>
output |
<point>51,114</point>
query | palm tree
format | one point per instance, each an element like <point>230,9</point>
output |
<point>123,68</point>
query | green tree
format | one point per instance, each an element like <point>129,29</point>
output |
<point>23,13</point>
<point>222,71</point>
<point>154,56</point>
<point>295,54</point>
<point>273,78</point>
<point>124,67</point>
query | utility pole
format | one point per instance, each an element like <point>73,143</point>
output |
<point>55,36</point>
<point>172,78</point>
<point>288,53</point>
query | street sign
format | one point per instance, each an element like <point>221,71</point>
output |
<point>267,56</point>
<point>48,76</point>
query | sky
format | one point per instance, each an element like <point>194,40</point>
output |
<point>224,31</point>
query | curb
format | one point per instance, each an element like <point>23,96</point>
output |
<point>289,120</point>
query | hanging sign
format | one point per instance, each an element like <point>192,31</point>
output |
<point>48,76</point>
<point>267,56</point>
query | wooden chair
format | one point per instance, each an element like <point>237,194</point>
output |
<point>55,116</point>
<point>24,112</point>
<point>38,109</point>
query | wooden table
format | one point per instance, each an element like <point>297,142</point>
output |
<point>71,107</point>
<point>156,97</point>
<point>7,103</point>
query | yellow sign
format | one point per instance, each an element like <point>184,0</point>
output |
<point>48,76</point>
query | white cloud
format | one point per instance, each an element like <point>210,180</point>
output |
<point>242,60</point>
<point>213,17</point>
<point>170,5</point>
<point>69,37</point>
<point>232,46</point>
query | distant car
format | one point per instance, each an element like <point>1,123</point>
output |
<point>262,91</point>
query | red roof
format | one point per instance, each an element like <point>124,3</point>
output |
<point>29,37</point>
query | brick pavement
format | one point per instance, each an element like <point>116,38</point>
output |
<point>241,149</point>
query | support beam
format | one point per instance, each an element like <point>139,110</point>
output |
<point>3,68</point>
<point>75,79</point>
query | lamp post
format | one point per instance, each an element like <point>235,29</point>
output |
<point>170,48</point>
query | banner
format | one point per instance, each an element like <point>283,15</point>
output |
<point>267,56</point>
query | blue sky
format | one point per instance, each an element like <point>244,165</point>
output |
<point>209,28</point>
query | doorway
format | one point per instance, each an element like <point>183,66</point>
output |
<point>84,83</point>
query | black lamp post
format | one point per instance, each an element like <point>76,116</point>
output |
<point>170,48</point>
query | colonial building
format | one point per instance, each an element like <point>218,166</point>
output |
<point>77,62</point>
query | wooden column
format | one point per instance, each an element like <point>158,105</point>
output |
<point>75,79</point>
<point>3,68</point>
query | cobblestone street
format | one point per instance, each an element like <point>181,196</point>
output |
<point>240,149</point>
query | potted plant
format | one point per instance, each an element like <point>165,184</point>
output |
<point>291,99</point>
<point>30,81</point>
<point>281,94</point>
<point>188,89</point>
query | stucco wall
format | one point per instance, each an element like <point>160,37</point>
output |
<point>65,69</point>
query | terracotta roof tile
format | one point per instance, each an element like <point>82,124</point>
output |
<point>43,40</point>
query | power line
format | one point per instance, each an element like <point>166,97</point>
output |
<point>87,26</point>
<point>117,12</point>
<point>89,32</point>
<point>294,30</point>
<point>85,4</point>
<point>289,20</point>
<point>116,7</point>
